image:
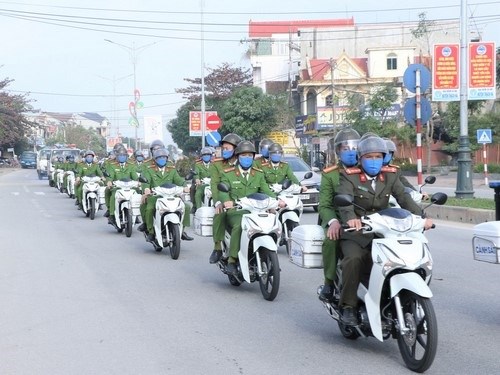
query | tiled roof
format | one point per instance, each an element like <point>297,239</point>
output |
<point>267,28</point>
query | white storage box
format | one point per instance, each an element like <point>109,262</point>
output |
<point>306,246</point>
<point>102,193</point>
<point>486,242</point>
<point>204,221</point>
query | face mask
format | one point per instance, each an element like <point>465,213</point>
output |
<point>387,159</point>
<point>161,162</point>
<point>265,152</point>
<point>245,161</point>
<point>140,159</point>
<point>227,154</point>
<point>206,158</point>
<point>122,158</point>
<point>276,158</point>
<point>89,159</point>
<point>372,167</point>
<point>349,158</point>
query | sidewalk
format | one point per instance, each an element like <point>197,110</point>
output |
<point>450,180</point>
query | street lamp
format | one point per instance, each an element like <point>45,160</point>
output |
<point>134,54</point>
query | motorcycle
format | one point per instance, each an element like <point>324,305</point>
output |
<point>395,301</point>
<point>417,196</point>
<point>289,216</point>
<point>127,204</point>
<point>59,178</point>
<point>168,218</point>
<point>91,194</point>
<point>258,255</point>
<point>70,183</point>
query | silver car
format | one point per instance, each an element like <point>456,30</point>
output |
<point>310,198</point>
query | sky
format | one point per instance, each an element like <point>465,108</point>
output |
<point>57,50</point>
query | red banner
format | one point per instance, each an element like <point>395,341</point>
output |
<point>445,71</point>
<point>482,71</point>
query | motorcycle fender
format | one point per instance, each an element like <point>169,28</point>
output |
<point>173,218</point>
<point>290,215</point>
<point>262,241</point>
<point>92,195</point>
<point>412,282</point>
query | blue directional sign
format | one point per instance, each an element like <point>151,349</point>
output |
<point>410,110</point>
<point>410,77</point>
<point>484,136</point>
<point>213,138</point>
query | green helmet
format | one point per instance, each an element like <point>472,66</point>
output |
<point>231,138</point>
<point>368,135</point>
<point>244,146</point>
<point>121,151</point>
<point>346,137</point>
<point>206,151</point>
<point>160,152</point>
<point>372,144</point>
<point>117,146</point>
<point>155,145</point>
<point>264,147</point>
<point>275,148</point>
<point>89,152</point>
<point>391,146</point>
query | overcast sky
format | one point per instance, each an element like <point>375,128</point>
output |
<point>67,66</point>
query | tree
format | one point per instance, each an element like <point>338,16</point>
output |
<point>423,30</point>
<point>382,100</point>
<point>14,126</point>
<point>220,83</point>
<point>85,139</point>
<point>179,128</point>
<point>250,113</point>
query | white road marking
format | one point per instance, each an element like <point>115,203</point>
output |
<point>39,193</point>
<point>15,193</point>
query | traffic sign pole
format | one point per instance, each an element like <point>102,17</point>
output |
<point>485,158</point>
<point>418,125</point>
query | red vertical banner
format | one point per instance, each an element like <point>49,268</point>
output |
<point>482,74</point>
<point>446,73</point>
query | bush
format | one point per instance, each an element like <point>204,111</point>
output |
<point>407,167</point>
<point>492,168</point>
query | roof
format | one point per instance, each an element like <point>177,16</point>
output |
<point>268,28</point>
<point>92,116</point>
<point>321,67</point>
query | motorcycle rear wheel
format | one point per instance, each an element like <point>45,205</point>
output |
<point>91,208</point>
<point>418,347</point>
<point>129,224</point>
<point>269,282</point>
<point>175,245</point>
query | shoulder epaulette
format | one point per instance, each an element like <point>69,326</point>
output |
<point>257,169</point>
<point>218,159</point>
<point>230,169</point>
<point>199,161</point>
<point>394,166</point>
<point>330,168</point>
<point>353,170</point>
<point>389,169</point>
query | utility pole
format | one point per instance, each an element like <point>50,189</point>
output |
<point>464,176</point>
<point>332,67</point>
<point>203,109</point>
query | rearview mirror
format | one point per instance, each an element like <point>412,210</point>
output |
<point>286,184</point>
<point>439,198</point>
<point>142,179</point>
<point>343,200</point>
<point>430,180</point>
<point>223,187</point>
<point>308,175</point>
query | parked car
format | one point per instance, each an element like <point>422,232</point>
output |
<point>42,162</point>
<point>28,159</point>
<point>310,198</point>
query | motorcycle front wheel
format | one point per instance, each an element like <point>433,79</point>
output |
<point>270,280</point>
<point>418,346</point>
<point>91,208</point>
<point>129,224</point>
<point>175,245</point>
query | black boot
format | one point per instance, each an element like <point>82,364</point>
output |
<point>215,256</point>
<point>185,237</point>
<point>349,316</point>
<point>142,227</point>
<point>326,294</point>
<point>106,214</point>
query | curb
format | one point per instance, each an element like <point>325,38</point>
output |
<point>461,214</point>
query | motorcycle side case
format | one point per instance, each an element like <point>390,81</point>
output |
<point>306,246</point>
<point>203,221</point>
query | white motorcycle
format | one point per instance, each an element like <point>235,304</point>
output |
<point>70,183</point>
<point>417,196</point>
<point>127,205</point>
<point>59,178</point>
<point>169,215</point>
<point>289,216</point>
<point>90,196</point>
<point>207,193</point>
<point>395,301</point>
<point>258,255</point>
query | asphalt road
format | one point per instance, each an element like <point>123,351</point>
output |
<point>79,298</point>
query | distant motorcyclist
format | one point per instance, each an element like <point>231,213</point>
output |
<point>85,169</point>
<point>263,159</point>
<point>277,170</point>
<point>202,170</point>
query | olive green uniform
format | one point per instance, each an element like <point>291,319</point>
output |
<point>275,173</point>
<point>260,162</point>
<point>327,212</point>
<point>241,186</point>
<point>156,177</point>
<point>118,172</point>
<point>85,170</point>
<point>202,171</point>
<point>216,171</point>
<point>68,167</point>
<point>355,246</point>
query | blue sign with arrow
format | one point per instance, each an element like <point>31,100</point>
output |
<point>410,77</point>
<point>213,138</point>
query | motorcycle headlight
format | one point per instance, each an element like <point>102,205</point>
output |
<point>260,204</point>
<point>427,262</point>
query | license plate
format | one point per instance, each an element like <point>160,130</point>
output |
<point>304,196</point>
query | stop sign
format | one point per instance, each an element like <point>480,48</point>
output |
<point>213,122</point>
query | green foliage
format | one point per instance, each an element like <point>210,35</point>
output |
<point>482,203</point>
<point>382,100</point>
<point>85,139</point>
<point>406,166</point>
<point>492,168</point>
<point>179,129</point>
<point>250,113</point>
<point>185,165</point>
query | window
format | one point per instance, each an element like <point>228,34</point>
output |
<point>311,103</point>
<point>328,101</point>
<point>392,61</point>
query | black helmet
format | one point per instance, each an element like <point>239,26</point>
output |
<point>82,153</point>
<point>245,146</point>
<point>206,151</point>
<point>264,143</point>
<point>231,138</point>
<point>155,145</point>
<point>391,146</point>
<point>121,151</point>
<point>275,148</point>
<point>349,137</point>
<point>89,152</point>
<point>138,154</point>
<point>71,157</point>
<point>67,157</point>
<point>160,152</point>
<point>372,144</point>
<point>117,146</point>
<point>60,159</point>
<point>368,135</point>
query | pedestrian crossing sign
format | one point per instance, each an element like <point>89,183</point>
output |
<point>484,136</point>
